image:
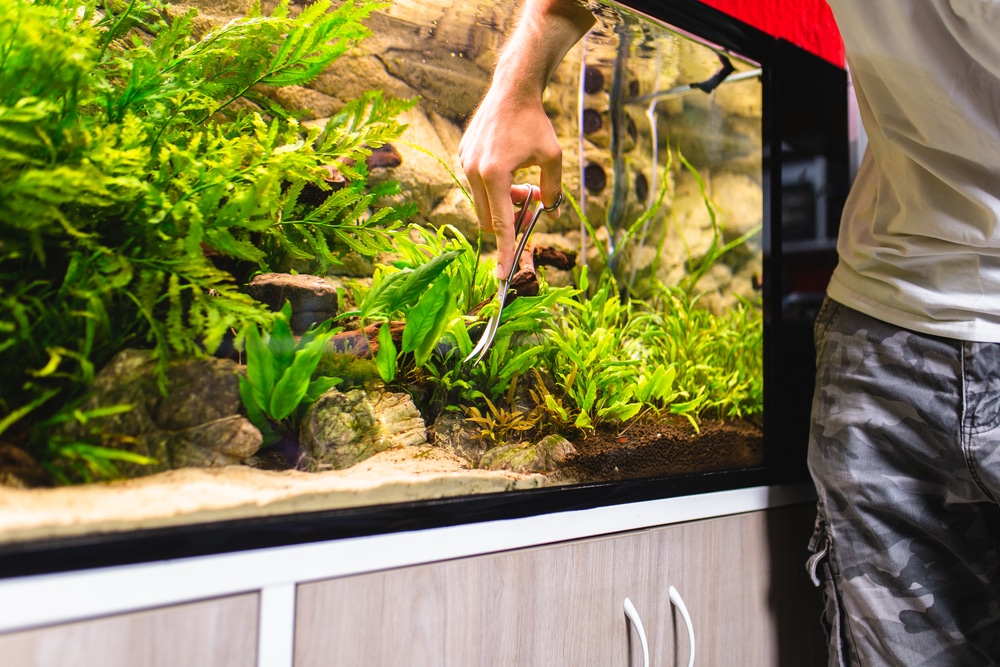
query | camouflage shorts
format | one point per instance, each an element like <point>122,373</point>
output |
<point>905,453</point>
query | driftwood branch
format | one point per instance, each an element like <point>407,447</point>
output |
<point>364,342</point>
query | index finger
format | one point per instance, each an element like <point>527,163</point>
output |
<point>498,191</point>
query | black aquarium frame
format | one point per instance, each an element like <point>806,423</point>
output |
<point>805,112</point>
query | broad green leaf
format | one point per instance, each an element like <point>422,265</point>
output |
<point>288,393</point>
<point>385,361</point>
<point>261,372</point>
<point>427,320</point>
<point>589,397</point>
<point>255,412</point>
<point>294,382</point>
<point>419,279</point>
<point>460,331</point>
<point>421,320</point>
<point>621,412</point>
<point>281,342</point>
<point>320,386</point>
<point>381,294</point>
<point>686,407</point>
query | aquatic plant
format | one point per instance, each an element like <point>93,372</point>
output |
<point>70,458</point>
<point>718,357</point>
<point>422,291</point>
<point>280,380</point>
<point>592,356</point>
<point>636,233</point>
<point>607,356</point>
<point>439,285</point>
<point>697,268</point>
<point>499,425</point>
<point>140,165</point>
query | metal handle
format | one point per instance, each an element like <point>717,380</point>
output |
<point>678,602</point>
<point>633,616</point>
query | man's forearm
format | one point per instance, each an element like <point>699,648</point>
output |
<point>546,31</point>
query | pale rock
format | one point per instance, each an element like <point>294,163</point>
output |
<point>421,176</point>
<point>456,210</point>
<point>460,436</point>
<point>342,429</point>
<point>357,72</point>
<point>449,84</point>
<point>545,456</point>
<point>226,441</point>
<point>313,103</point>
<point>197,421</point>
<point>450,135</point>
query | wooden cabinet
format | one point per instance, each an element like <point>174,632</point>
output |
<point>742,578</point>
<point>533,607</point>
<point>213,633</point>
<point>364,603</point>
<point>744,582</point>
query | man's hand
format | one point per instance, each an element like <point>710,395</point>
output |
<point>510,130</point>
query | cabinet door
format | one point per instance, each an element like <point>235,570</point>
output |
<point>558,605</point>
<point>214,633</point>
<point>744,583</point>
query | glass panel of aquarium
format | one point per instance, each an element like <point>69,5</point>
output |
<point>241,275</point>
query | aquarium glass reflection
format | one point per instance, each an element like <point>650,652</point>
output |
<point>241,275</point>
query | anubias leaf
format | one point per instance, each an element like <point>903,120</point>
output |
<point>426,320</point>
<point>294,383</point>
<point>385,360</point>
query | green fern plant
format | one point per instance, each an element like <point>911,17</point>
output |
<point>132,154</point>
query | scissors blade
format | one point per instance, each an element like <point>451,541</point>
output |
<point>485,341</point>
<point>493,324</point>
<point>490,332</point>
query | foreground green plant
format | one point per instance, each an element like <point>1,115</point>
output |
<point>279,383</point>
<point>718,358</point>
<point>592,357</point>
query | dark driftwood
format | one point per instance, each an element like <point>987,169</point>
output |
<point>559,259</point>
<point>364,342</point>
<point>524,282</point>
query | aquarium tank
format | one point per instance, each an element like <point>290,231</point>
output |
<point>241,275</point>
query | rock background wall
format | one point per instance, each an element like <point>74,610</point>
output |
<point>442,51</point>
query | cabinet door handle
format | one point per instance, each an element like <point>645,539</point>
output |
<point>678,602</point>
<point>633,616</point>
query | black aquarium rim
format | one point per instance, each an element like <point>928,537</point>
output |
<point>99,550</point>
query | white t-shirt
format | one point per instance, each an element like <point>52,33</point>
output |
<point>919,242</point>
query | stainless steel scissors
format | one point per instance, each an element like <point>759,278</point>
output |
<point>493,323</point>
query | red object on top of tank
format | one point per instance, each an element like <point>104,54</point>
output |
<point>806,23</point>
